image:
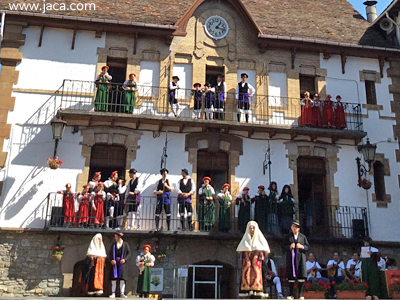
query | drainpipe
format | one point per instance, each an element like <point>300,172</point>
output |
<point>371,10</point>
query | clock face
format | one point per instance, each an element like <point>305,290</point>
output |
<point>216,27</point>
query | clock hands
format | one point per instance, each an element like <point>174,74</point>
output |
<point>217,27</point>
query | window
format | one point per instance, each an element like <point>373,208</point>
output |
<point>277,89</point>
<point>212,73</point>
<point>370,92</point>
<point>117,69</point>
<point>106,159</point>
<point>307,83</point>
<point>184,72</point>
<point>379,181</point>
<point>149,78</point>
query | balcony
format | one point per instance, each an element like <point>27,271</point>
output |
<point>336,222</point>
<point>152,111</point>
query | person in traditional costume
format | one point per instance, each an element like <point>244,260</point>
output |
<point>95,180</point>
<point>173,101</point>
<point>133,201</point>
<point>296,259</point>
<point>306,110</point>
<point>98,198</point>
<point>260,209</point>
<point>93,267</point>
<point>186,190</point>
<point>286,209</point>
<point>163,191</point>
<point>102,82</point>
<point>144,261</point>
<point>111,188</point>
<point>340,116</point>
<point>68,205</point>
<point>316,112</point>
<point>243,203</point>
<point>119,255</point>
<point>129,87</point>
<point>206,195</point>
<point>208,101</point>
<point>270,276</point>
<point>197,94</point>
<point>252,248</point>
<point>273,200</point>
<point>328,114</point>
<point>244,91</point>
<point>120,205</point>
<point>220,93</point>
<point>370,271</point>
<point>83,213</point>
<point>225,200</point>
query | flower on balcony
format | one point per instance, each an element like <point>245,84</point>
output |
<point>319,286</point>
<point>54,163</point>
<point>351,285</point>
<point>57,251</point>
<point>365,183</point>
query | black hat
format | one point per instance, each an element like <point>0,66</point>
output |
<point>175,77</point>
<point>220,75</point>
<point>296,222</point>
<point>186,171</point>
<point>207,84</point>
<point>244,75</point>
<point>132,171</point>
<point>163,170</point>
<point>119,233</point>
<point>196,84</point>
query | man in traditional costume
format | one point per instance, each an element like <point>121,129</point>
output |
<point>130,93</point>
<point>163,191</point>
<point>68,205</point>
<point>225,201</point>
<point>208,101</point>
<point>244,91</point>
<point>243,204</point>
<point>144,261</point>
<point>93,267</point>
<point>252,248</point>
<point>173,101</point>
<point>197,94</point>
<point>119,254</point>
<point>111,188</point>
<point>220,93</point>
<point>133,201</point>
<point>207,205</point>
<point>83,213</point>
<point>102,82</point>
<point>186,190</point>
<point>296,259</point>
<point>120,204</point>
<point>261,206</point>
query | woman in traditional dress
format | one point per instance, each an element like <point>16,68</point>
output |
<point>306,110</point>
<point>243,204</point>
<point>225,201</point>
<point>273,200</point>
<point>340,116</point>
<point>260,209</point>
<point>98,197</point>
<point>130,93</point>
<point>68,205</point>
<point>206,192</point>
<point>328,114</point>
<point>252,248</point>
<point>144,261</point>
<point>370,271</point>
<point>102,82</point>
<point>93,267</point>
<point>83,212</point>
<point>316,112</point>
<point>286,209</point>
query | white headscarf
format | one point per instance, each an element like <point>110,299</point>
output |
<point>255,242</point>
<point>96,249</point>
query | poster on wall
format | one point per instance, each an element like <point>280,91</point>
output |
<point>157,279</point>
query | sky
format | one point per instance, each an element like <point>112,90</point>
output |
<point>360,7</point>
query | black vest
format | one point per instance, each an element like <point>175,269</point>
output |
<point>219,88</point>
<point>161,186</point>
<point>244,89</point>
<point>185,188</point>
<point>133,185</point>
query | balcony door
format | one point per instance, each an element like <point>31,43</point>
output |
<point>106,159</point>
<point>212,74</point>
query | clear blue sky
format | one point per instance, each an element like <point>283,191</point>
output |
<point>360,7</point>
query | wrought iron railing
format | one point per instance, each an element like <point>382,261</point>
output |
<point>334,221</point>
<point>154,101</point>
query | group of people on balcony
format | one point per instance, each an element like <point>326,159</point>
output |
<point>326,113</point>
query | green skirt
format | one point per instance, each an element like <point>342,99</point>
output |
<point>129,103</point>
<point>101,100</point>
<point>370,275</point>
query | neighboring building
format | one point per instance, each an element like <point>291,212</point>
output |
<point>49,62</point>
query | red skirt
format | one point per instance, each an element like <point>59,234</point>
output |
<point>69,209</point>
<point>316,116</point>
<point>98,214</point>
<point>340,117</point>
<point>83,212</point>
<point>329,116</point>
<point>306,115</point>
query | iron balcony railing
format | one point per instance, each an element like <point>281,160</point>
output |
<point>154,101</point>
<point>333,222</point>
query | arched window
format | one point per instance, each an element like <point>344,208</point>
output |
<point>379,181</point>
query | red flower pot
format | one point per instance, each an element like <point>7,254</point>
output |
<point>350,294</point>
<point>313,295</point>
<point>396,295</point>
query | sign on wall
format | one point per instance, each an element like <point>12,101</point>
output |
<point>157,279</point>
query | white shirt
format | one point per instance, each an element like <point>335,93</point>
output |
<point>251,89</point>
<point>192,188</point>
<point>382,264</point>
<point>341,266</point>
<point>108,76</point>
<point>173,87</point>
<point>357,265</point>
<point>210,187</point>
<point>219,84</point>
<point>222,194</point>
<point>119,245</point>
<point>309,265</point>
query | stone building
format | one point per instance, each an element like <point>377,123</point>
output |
<point>49,63</point>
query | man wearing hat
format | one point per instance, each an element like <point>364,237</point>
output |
<point>111,188</point>
<point>133,201</point>
<point>208,101</point>
<point>244,91</point>
<point>186,190</point>
<point>172,87</point>
<point>129,87</point>
<point>243,208</point>
<point>102,82</point>
<point>220,92</point>
<point>260,209</point>
<point>296,260</point>
<point>119,255</point>
<point>163,190</point>
<point>197,94</point>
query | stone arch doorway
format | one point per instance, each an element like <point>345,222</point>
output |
<point>206,291</point>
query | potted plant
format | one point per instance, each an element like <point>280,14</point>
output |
<point>395,291</point>
<point>351,289</point>
<point>54,163</point>
<point>57,251</point>
<point>316,290</point>
<point>365,184</point>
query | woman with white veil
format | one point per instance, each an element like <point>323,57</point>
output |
<point>252,248</point>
